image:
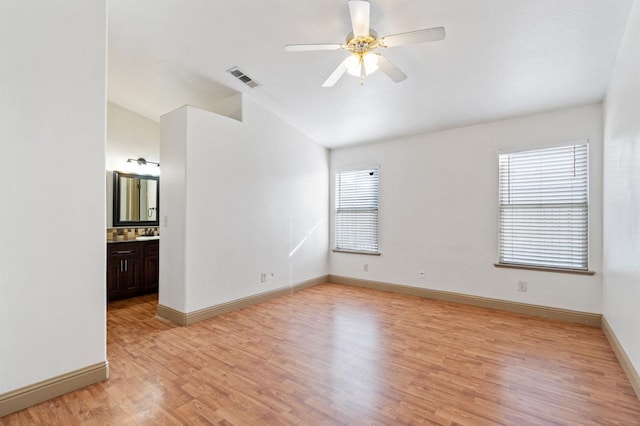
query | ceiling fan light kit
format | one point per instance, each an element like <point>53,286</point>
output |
<point>355,63</point>
<point>362,41</point>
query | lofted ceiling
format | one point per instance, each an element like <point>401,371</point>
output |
<point>500,59</point>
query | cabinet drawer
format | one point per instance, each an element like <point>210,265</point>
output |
<point>123,250</point>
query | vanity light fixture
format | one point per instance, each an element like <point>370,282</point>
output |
<point>142,162</point>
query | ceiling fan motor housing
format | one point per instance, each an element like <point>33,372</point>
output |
<point>362,44</point>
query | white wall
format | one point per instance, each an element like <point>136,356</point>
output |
<point>439,210</point>
<point>129,135</point>
<point>52,159</point>
<point>173,205</point>
<point>622,194</point>
<point>256,202</point>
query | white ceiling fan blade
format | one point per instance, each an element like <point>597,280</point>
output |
<point>311,47</point>
<point>336,74</point>
<point>390,69</point>
<point>420,36</point>
<point>359,11</point>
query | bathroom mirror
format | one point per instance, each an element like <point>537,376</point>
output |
<point>136,199</point>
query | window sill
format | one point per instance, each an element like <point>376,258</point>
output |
<point>544,269</point>
<point>369,253</point>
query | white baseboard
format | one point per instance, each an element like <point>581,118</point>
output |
<point>47,389</point>
<point>182,318</point>
<point>625,362</point>
<point>484,302</point>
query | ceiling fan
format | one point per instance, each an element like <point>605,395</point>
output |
<point>362,42</point>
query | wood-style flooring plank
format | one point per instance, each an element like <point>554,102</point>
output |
<point>334,355</point>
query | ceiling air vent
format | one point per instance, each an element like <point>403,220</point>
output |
<point>242,77</point>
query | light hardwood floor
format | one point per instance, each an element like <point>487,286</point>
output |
<point>335,354</point>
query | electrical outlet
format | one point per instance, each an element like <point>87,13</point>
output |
<point>421,274</point>
<point>522,286</point>
<point>366,267</point>
<point>263,277</point>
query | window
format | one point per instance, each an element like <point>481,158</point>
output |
<point>356,221</point>
<point>544,207</point>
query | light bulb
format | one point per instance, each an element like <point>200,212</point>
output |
<point>370,64</point>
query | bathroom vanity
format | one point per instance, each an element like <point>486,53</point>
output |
<point>132,268</point>
<point>133,244</point>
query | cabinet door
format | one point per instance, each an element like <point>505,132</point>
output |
<point>124,270</point>
<point>114,289</point>
<point>131,275</point>
<point>151,266</point>
<point>151,272</point>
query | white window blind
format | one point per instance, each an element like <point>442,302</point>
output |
<point>356,220</point>
<point>544,207</point>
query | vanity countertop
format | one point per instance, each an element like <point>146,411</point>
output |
<point>135,240</point>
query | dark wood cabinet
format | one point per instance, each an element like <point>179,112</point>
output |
<point>151,265</point>
<point>132,268</point>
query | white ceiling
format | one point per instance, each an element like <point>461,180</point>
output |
<point>501,58</point>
